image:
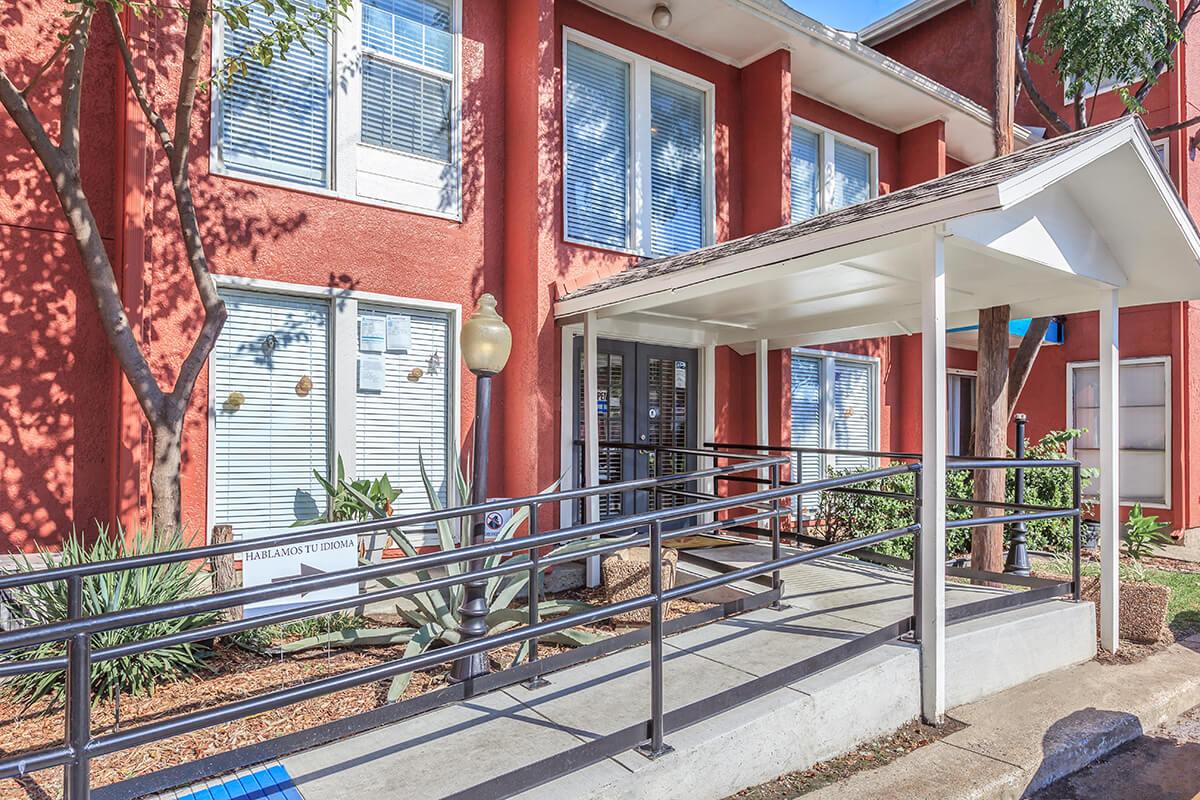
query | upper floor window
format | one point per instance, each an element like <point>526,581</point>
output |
<point>636,140</point>
<point>829,171</point>
<point>390,133</point>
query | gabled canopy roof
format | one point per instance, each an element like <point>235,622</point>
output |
<point>1039,230</point>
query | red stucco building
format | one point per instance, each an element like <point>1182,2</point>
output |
<point>522,148</point>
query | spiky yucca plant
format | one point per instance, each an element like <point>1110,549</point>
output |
<point>432,616</point>
<point>44,603</point>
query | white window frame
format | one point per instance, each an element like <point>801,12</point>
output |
<point>828,359</point>
<point>1163,145</point>
<point>343,376</point>
<point>345,119</point>
<point>962,373</point>
<point>640,69</point>
<point>1165,361</point>
<point>826,146</point>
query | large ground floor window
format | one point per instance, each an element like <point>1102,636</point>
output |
<point>299,379</point>
<point>1145,425</point>
<point>834,404</point>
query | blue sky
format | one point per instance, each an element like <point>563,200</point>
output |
<point>850,15</point>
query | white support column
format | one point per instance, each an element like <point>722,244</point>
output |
<point>932,551</point>
<point>762,411</point>
<point>1110,492</point>
<point>708,411</point>
<point>591,434</point>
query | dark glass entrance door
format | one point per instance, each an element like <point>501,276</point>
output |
<point>646,394</point>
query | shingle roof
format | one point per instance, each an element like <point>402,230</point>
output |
<point>988,173</point>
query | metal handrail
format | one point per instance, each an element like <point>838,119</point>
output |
<point>81,746</point>
<point>336,529</point>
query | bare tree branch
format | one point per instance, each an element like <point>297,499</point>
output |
<point>135,83</point>
<point>49,62</point>
<point>1022,363</point>
<point>1026,38</point>
<point>1185,18</point>
<point>31,127</point>
<point>214,308</point>
<point>72,88</point>
<point>1175,126</point>
<point>1051,116</point>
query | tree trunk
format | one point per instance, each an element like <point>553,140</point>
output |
<point>1004,55</point>
<point>166,506</point>
<point>991,433</point>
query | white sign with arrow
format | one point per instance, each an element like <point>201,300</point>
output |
<point>303,559</point>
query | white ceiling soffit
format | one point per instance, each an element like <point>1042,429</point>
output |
<point>827,64</point>
<point>902,19</point>
<point>1046,241</point>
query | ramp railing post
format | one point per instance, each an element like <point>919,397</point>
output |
<point>78,721</point>
<point>916,556</point>
<point>1017,561</point>
<point>656,746</point>
<point>1076,532</point>
<point>776,545</point>
<point>535,597</point>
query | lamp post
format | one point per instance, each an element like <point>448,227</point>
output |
<point>486,342</point>
<point>1017,562</point>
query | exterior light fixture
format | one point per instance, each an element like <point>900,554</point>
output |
<point>660,17</point>
<point>486,343</point>
<point>486,340</point>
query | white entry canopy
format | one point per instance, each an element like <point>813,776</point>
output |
<point>1041,230</point>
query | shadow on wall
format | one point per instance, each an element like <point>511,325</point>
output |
<point>56,369</point>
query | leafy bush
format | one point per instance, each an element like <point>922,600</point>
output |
<point>45,603</point>
<point>1143,534</point>
<point>847,515</point>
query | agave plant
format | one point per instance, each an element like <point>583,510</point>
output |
<point>432,615</point>
<point>44,603</point>
<point>353,500</point>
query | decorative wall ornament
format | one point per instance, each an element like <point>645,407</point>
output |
<point>416,374</point>
<point>304,386</point>
<point>234,401</point>
<point>435,361</point>
<point>269,343</point>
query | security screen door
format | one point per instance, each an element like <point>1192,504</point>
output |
<point>646,394</point>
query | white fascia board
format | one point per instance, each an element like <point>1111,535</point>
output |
<point>1132,133</point>
<point>639,293</point>
<point>784,15</point>
<point>903,19</point>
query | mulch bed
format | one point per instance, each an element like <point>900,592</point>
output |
<point>233,674</point>
<point>867,756</point>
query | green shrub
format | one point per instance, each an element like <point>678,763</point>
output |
<point>846,515</point>
<point>1143,534</point>
<point>47,602</point>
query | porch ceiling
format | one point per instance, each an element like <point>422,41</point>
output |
<point>1041,231</point>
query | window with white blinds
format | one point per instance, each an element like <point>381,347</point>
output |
<point>596,144</point>
<point>637,175</point>
<point>393,65</point>
<point>834,404</point>
<point>851,174</point>
<point>269,435</point>
<point>274,120</point>
<point>272,428</point>
<point>676,166</point>
<point>1144,426</point>
<point>829,171</point>
<point>806,173</point>
<point>408,419</point>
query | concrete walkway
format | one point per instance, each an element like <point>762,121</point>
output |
<point>1028,737</point>
<point>507,743</point>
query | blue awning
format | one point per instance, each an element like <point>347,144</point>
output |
<point>1018,327</point>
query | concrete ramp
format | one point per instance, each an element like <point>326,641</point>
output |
<point>544,743</point>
